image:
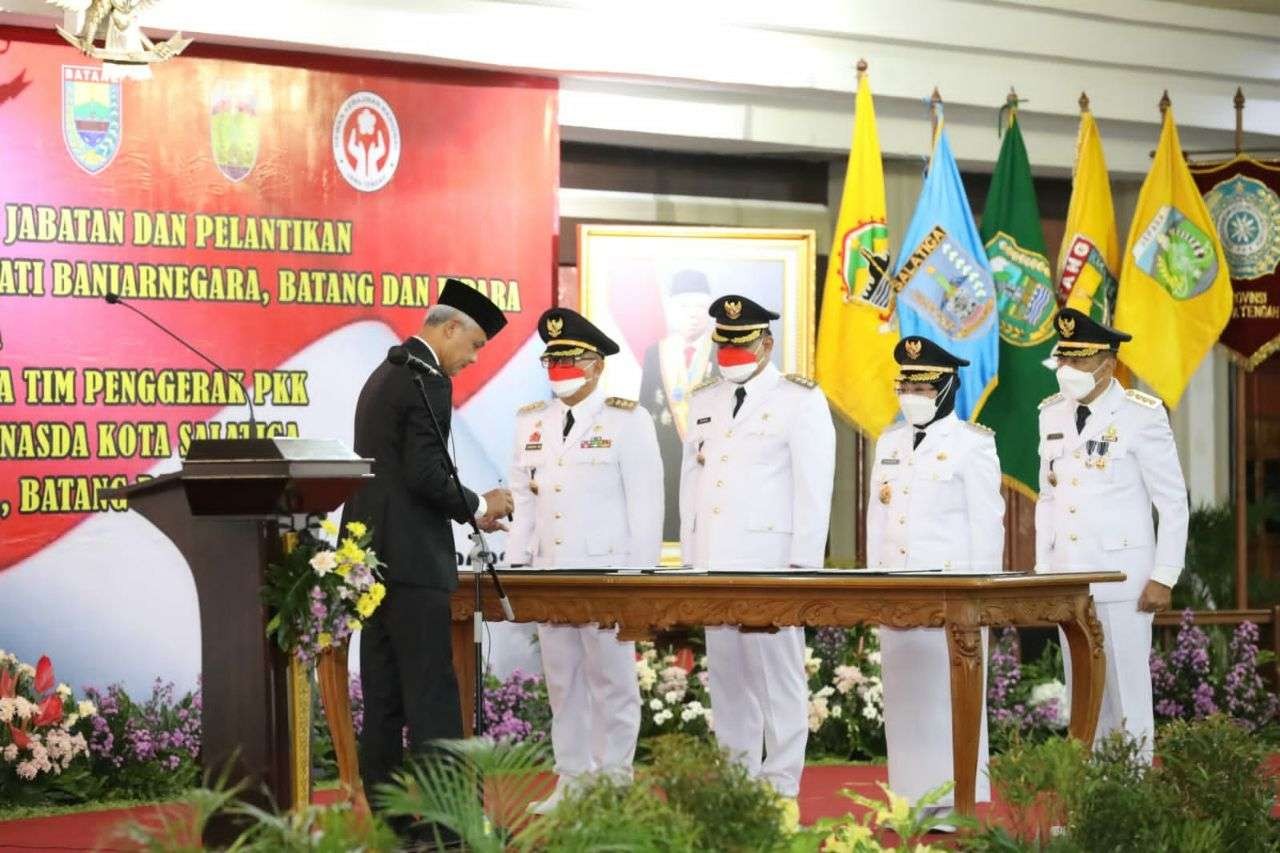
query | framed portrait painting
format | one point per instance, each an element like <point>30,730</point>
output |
<point>649,288</point>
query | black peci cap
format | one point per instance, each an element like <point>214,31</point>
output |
<point>474,304</point>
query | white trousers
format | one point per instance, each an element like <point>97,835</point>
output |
<point>916,671</point>
<point>760,701</point>
<point>1126,697</point>
<point>595,699</point>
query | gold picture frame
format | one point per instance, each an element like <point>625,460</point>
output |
<point>648,287</point>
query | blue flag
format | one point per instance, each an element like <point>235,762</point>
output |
<point>943,282</point>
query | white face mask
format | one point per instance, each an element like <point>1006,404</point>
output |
<point>917,408</point>
<point>1076,383</point>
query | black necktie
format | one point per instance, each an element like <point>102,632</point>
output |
<point>568,423</point>
<point>919,438</point>
<point>1082,415</point>
<point>741,394</point>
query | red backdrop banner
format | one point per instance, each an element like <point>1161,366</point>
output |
<point>258,204</point>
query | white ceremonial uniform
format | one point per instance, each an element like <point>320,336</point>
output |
<point>755,495</point>
<point>1097,489</point>
<point>937,506</point>
<point>591,499</point>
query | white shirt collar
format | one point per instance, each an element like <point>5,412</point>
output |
<point>430,349</point>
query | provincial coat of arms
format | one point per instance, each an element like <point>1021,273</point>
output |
<point>233,128</point>
<point>946,284</point>
<point>1024,290</point>
<point>864,266</point>
<point>92,117</point>
<point>1246,213</point>
<point>1177,253</point>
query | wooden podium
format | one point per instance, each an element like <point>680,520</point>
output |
<point>222,510</point>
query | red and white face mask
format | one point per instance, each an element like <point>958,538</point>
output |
<point>737,364</point>
<point>566,380</point>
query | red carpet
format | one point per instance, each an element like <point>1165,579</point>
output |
<point>819,797</point>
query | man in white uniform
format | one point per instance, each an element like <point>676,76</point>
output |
<point>587,483</point>
<point>1106,458</point>
<point>935,504</point>
<point>755,495</point>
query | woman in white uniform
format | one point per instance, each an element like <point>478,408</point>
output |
<point>935,504</point>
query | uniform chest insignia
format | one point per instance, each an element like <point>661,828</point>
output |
<point>705,420</point>
<point>620,403</point>
<point>596,442</point>
<point>533,407</point>
<point>533,487</point>
<point>1053,436</point>
<point>534,442</point>
<point>764,416</point>
<point>942,457</point>
<point>893,461</point>
<point>886,493</point>
<point>802,381</point>
<point>1110,435</point>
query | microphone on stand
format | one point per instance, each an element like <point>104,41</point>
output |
<point>114,299</point>
<point>401,357</point>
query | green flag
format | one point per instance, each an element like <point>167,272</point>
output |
<point>1015,247</point>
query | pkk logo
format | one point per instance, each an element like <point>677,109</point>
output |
<point>864,265</point>
<point>1177,253</point>
<point>233,128</point>
<point>1024,291</point>
<point>366,141</point>
<point>1246,213</point>
<point>91,117</point>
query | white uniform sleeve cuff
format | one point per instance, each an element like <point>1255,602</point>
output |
<point>1166,575</point>
<point>482,508</point>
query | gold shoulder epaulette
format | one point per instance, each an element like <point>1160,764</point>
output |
<point>1143,399</point>
<point>802,381</point>
<point>705,384</point>
<point>1050,400</point>
<point>620,403</point>
<point>532,407</point>
<point>980,429</point>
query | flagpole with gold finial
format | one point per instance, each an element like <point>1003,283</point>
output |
<point>1238,101</point>
<point>1241,413</point>
<point>861,495</point>
<point>935,101</point>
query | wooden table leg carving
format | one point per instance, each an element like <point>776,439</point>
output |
<point>464,667</point>
<point>964,645</point>
<point>1088,669</point>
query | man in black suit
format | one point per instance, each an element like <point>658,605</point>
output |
<point>406,657</point>
<point>673,366</point>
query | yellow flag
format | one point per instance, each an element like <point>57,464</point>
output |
<point>1175,289</point>
<point>1089,261</point>
<point>855,365</point>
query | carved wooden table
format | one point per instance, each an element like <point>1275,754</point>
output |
<point>963,604</point>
